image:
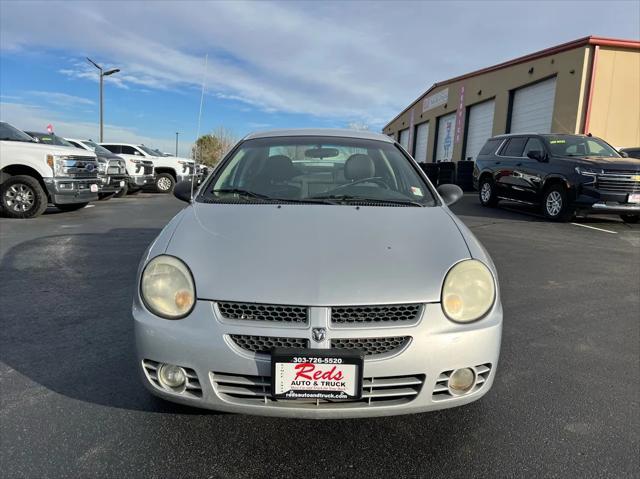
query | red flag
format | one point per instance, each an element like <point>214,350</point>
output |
<point>50,128</point>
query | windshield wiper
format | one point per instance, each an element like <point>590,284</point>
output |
<point>253,194</point>
<point>345,199</point>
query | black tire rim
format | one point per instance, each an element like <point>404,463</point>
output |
<point>20,198</point>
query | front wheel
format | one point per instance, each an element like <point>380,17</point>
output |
<point>23,197</point>
<point>627,218</point>
<point>71,206</point>
<point>556,205</point>
<point>122,193</point>
<point>165,183</point>
<point>105,196</point>
<point>487,192</point>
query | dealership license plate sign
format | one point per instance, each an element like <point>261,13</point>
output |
<point>634,198</point>
<point>315,374</point>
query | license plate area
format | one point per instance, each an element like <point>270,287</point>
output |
<point>316,374</point>
<point>633,198</point>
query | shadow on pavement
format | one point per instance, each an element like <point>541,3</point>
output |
<point>66,316</point>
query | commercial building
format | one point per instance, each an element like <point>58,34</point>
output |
<point>590,85</point>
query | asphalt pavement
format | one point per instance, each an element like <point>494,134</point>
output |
<point>565,401</point>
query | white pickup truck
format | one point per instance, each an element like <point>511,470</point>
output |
<point>168,169</point>
<point>32,175</point>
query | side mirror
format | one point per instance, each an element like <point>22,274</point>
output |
<point>537,155</point>
<point>450,193</point>
<point>137,153</point>
<point>624,154</point>
<point>182,191</point>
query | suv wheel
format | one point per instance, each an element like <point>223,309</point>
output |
<point>556,204</point>
<point>487,192</point>
<point>23,197</point>
<point>122,193</point>
<point>165,183</point>
<point>71,206</point>
<point>630,218</point>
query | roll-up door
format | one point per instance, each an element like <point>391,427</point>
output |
<point>532,109</point>
<point>404,139</point>
<point>446,132</point>
<point>422,139</point>
<point>479,128</point>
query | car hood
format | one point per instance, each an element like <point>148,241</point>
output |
<point>606,163</point>
<point>51,149</point>
<point>317,255</point>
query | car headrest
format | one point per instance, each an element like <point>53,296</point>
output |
<point>279,168</point>
<point>358,167</point>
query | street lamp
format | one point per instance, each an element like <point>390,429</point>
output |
<point>177,133</point>
<point>102,75</point>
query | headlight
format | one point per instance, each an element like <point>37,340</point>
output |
<point>581,170</point>
<point>102,166</point>
<point>58,164</point>
<point>468,291</point>
<point>167,287</point>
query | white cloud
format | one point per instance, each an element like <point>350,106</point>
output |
<point>360,61</point>
<point>60,99</point>
<point>30,117</point>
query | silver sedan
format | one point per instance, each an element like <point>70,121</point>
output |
<point>317,274</point>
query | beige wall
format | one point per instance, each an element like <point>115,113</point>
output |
<point>569,67</point>
<point>615,103</point>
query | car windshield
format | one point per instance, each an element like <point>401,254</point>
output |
<point>9,133</point>
<point>148,151</point>
<point>97,149</point>
<point>50,139</point>
<point>570,145</point>
<point>320,170</point>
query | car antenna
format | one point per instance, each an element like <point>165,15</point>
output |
<point>204,75</point>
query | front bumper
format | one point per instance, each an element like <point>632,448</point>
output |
<point>63,190</point>
<point>185,177</point>
<point>138,181</point>
<point>591,198</point>
<point>201,343</point>
<point>112,183</point>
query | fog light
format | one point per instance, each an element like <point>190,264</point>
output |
<point>462,380</point>
<point>171,376</point>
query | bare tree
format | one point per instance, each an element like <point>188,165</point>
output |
<point>211,148</point>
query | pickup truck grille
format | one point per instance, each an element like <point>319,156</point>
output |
<point>147,167</point>
<point>619,181</point>
<point>80,167</point>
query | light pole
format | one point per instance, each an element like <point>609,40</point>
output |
<point>177,133</point>
<point>102,75</point>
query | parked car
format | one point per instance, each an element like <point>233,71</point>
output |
<point>318,274</point>
<point>564,174</point>
<point>168,170</point>
<point>33,174</point>
<point>140,169</point>
<point>112,170</point>
<point>202,171</point>
<point>631,152</point>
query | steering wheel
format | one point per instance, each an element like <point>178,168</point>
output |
<point>378,180</point>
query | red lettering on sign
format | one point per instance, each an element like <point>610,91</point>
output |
<point>304,370</point>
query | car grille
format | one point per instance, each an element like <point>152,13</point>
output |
<point>256,390</point>
<point>619,181</point>
<point>375,314</point>
<point>263,312</point>
<point>368,346</point>
<point>193,387</point>
<point>147,167</point>
<point>441,390</point>
<point>372,346</point>
<point>264,344</point>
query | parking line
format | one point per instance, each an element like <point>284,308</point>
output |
<point>594,228</point>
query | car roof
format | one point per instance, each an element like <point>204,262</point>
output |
<point>332,132</point>
<point>510,135</point>
<point>118,143</point>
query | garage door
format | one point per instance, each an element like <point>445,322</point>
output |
<point>446,132</point>
<point>480,128</point>
<point>404,139</point>
<point>532,109</point>
<point>422,139</point>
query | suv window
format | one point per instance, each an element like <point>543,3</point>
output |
<point>534,144</point>
<point>513,147</point>
<point>113,148</point>
<point>490,147</point>
<point>129,150</point>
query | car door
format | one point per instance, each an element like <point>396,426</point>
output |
<point>531,172</point>
<point>508,185</point>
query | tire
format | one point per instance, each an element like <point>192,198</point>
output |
<point>105,196</point>
<point>556,205</point>
<point>22,197</point>
<point>165,183</point>
<point>134,192</point>
<point>123,192</point>
<point>630,218</point>
<point>71,206</point>
<point>487,192</point>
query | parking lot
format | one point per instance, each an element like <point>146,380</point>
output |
<point>564,402</point>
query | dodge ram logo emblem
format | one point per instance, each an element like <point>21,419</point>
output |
<point>318,334</point>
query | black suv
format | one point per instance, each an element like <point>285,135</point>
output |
<point>564,174</point>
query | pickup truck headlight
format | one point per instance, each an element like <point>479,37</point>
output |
<point>102,166</point>
<point>58,164</point>
<point>468,291</point>
<point>167,288</point>
<point>581,170</point>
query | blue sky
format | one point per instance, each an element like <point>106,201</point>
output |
<point>270,64</point>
